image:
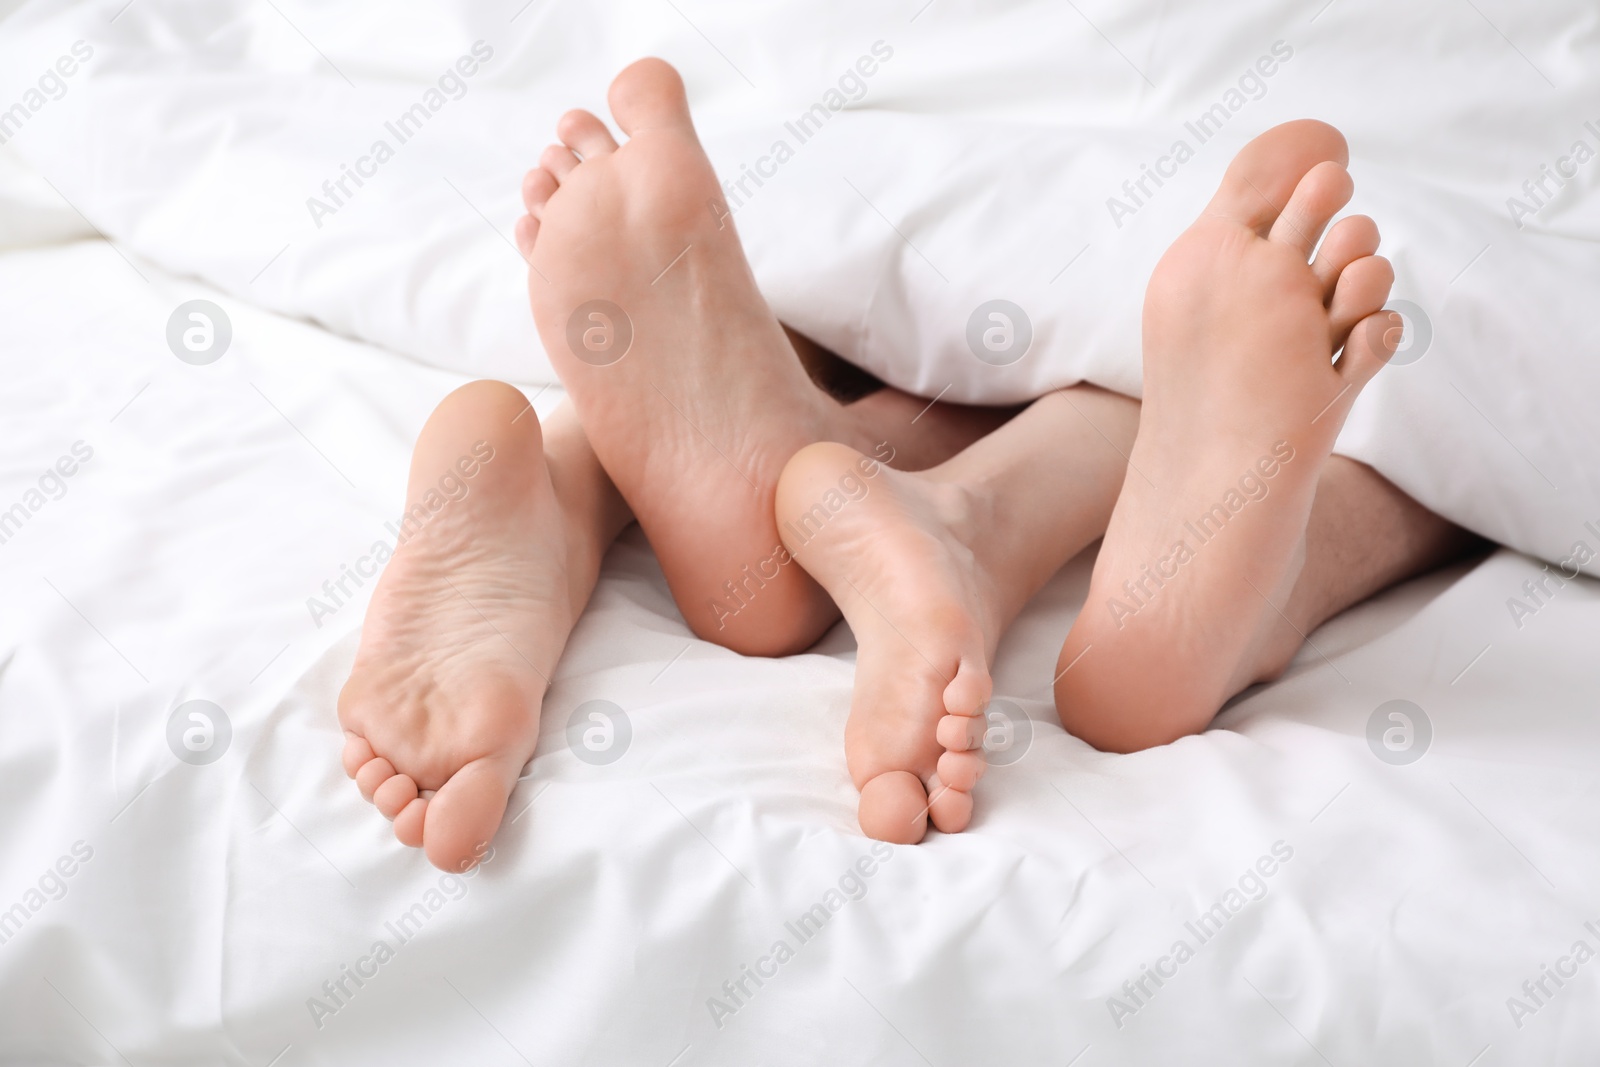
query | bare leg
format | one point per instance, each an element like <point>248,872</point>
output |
<point>1240,337</point>
<point>1365,536</point>
<point>930,568</point>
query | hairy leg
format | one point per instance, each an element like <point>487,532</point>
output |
<point>931,567</point>
<point>1365,535</point>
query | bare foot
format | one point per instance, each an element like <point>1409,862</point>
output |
<point>684,380</point>
<point>464,628</point>
<point>930,568</point>
<point>893,550</point>
<point>1242,403</point>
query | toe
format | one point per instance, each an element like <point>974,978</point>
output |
<point>372,774</point>
<point>1362,288</point>
<point>585,134</point>
<point>1350,239</point>
<point>950,808</point>
<point>961,733</point>
<point>1325,189</point>
<point>465,813</point>
<point>526,233</point>
<point>961,770</point>
<point>393,795</point>
<point>647,95</point>
<point>1264,174</point>
<point>357,752</point>
<point>559,161</point>
<point>409,821</point>
<point>538,186</point>
<point>969,691</point>
<point>1372,341</point>
<point>894,808</point>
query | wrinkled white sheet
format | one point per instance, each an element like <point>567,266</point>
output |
<point>216,900</point>
<point>981,153</point>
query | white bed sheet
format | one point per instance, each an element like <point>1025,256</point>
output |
<point>217,899</point>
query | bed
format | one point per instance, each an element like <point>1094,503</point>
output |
<point>1388,856</point>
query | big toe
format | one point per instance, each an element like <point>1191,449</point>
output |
<point>464,814</point>
<point>1266,172</point>
<point>648,94</point>
<point>894,808</point>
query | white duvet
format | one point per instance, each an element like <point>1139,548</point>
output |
<point>894,171</point>
<point>1331,905</point>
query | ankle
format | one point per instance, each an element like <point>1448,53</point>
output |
<point>965,509</point>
